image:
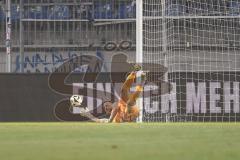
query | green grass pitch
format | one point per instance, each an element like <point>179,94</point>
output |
<point>84,141</point>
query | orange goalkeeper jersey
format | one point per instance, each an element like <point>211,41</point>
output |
<point>123,115</point>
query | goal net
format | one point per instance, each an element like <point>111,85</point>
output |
<point>198,41</point>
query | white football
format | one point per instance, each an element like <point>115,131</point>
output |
<point>76,100</point>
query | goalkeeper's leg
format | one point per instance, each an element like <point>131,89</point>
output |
<point>128,83</point>
<point>139,89</point>
<point>126,86</point>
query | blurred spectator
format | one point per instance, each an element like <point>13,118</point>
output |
<point>97,10</point>
<point>175,8</point>
<point>2,14</point>
<point>107,11</point>
<point>121,11</point>
<point>131,10</point>
<point>103,10</point>
<point>36,12</point>
<point>59,12</point>
<point>15,12</point>
<point>234,8</point>
<point>84,12</point>
<point>206,8</point>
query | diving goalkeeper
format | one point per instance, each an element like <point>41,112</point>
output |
<point>125,110</point>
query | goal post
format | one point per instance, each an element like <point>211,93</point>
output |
<point>198,41</point>
<point>143,21</point>
<point>139,46</point>
<point>8,36</point>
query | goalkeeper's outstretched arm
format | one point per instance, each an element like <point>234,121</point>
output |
<point>87,114</point>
